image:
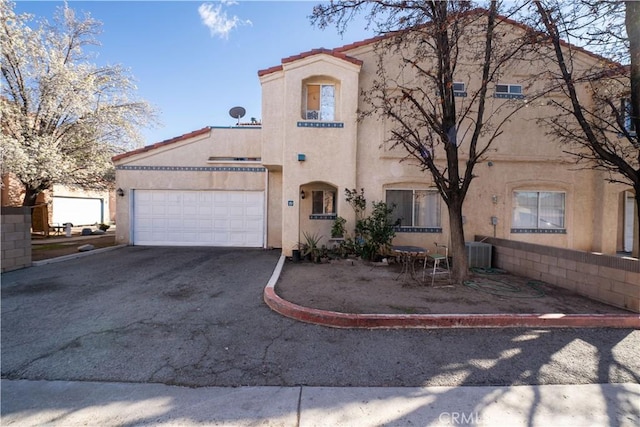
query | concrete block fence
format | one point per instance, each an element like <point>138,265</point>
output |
<point>610,279</point>
<point>15,233</point>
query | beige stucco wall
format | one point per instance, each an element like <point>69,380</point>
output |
<point>353,155</point>
<point>330,153</point>
<point>274,210</point>
<point>523,157</point>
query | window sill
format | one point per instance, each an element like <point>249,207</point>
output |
<point>538,231</point>
<point>318,124</point>
<point>417,229</point>
<point>631,133</point>
<point>508,96</point>
<point>323,216</point>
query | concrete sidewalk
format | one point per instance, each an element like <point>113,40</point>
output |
<point>64,403</point>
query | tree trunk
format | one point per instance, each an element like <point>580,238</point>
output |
<point>30,196</point>
<point>635,250</point>
<point>31,193</point>
<point>632,24</point>
<point>457,250</point>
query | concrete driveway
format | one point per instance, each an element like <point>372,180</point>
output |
<point>195,317</point>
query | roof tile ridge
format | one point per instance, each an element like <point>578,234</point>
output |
<point>163,143</point>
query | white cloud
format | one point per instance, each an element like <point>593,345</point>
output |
<point>217,21</point>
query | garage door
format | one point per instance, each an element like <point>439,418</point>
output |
<point>198,218</point>
<point>77,211</point>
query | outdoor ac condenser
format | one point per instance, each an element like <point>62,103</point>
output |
<point>479,254</point>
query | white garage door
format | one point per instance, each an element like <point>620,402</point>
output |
<point>77,211</point>
<point>198,218</point>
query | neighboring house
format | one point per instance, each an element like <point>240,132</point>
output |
<point>64,203</point>
<point>263,186</point>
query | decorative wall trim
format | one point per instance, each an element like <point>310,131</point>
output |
<point>193,168</point>
<point>323,216</point>
<point>320,125</point>
<point>417,229</point>
<point>539,231</point>
<point>508,95</point>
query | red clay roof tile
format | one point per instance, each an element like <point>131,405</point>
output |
<point>339,51</point>
<point>166,142</point>
<point>321,51</point>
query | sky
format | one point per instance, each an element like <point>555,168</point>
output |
<point>195,60</point>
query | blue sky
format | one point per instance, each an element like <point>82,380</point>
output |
<point>193,60</point>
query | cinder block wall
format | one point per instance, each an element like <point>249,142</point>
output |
<point>610,279</point>
<point>16,238</point>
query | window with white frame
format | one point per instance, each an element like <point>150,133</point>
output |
<point>323,202</point>
<point>538,210</point>
<point>414,208</point>
<point>459,89</point>
<point>320,102</point>
<point>627,114</point>
<point>509,91</point>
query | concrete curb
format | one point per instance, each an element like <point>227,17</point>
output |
<point>74,256</point>
<point>439,321</point>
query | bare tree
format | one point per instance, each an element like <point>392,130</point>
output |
<point>600,132</point>
<point>427,45</point>
<point>62,117</point>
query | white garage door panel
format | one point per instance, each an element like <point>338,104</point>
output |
<point>198,218</point>
<point>78,211</point>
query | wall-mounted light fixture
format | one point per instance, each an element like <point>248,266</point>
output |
<point>302,195</point>
<point>120,192</point>
<point>494,199</point>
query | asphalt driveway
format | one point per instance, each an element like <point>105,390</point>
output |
<point>195,316</point>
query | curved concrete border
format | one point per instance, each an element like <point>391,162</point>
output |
<point>433,321</point>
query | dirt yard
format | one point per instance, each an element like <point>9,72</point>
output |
<point>53,248</point>
<point>352,286</point>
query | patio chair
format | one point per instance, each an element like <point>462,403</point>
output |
<point>439,261</point>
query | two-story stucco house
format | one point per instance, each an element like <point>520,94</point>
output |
<point>263,186</point>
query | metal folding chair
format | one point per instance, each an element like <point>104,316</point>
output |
<point>439,258</point>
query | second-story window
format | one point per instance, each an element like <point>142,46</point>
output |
<point>320,102</point>
<point>509,91</point>
<point>459,89</point>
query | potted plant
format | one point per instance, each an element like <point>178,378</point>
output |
<point>311,248</point>
<point>337,229</point>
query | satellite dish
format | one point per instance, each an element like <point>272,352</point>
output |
<point>237,113</point>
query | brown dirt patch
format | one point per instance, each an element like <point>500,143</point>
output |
<point>353,286</point>
<point>53,248</point>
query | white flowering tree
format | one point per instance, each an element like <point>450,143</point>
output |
<point>63,118</point>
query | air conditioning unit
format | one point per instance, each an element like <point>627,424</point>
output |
<point>479,254</point>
